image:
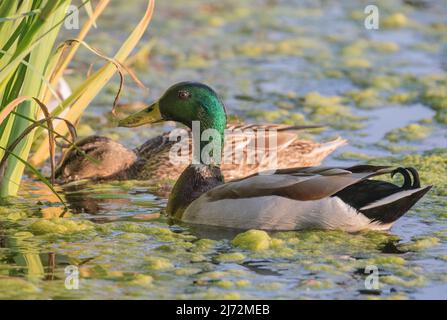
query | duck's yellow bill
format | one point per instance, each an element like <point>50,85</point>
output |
<point>150,114</point>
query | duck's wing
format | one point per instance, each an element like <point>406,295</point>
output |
<point>263,136</point>
<point>272,126</point>
<point>310,183</point>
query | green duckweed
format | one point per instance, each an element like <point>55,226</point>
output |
<point>435,97</point>
<point>419,244</point>
<point>60,226</point>
<point>330,109</point>
<point>411,132</point>
<point>348,155</point>
<point>394,280</point>
<point>230,257</point>
<point>158,263</point>
<point>254,240</point>
<point>365,98</point>
<point>141,280</point>
<point>396,20</point>
<point>402,97</point>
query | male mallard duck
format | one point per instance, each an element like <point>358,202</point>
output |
<point>150,161</point>
<point>290,199</point>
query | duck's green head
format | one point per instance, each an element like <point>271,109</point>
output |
<point>184,102</point>
<point>195,105</point>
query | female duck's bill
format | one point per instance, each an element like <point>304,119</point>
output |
<point>291,199</point>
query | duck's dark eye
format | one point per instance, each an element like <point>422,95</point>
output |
<point>183,94</point>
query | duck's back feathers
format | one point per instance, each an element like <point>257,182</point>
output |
<point>151,161</point>
<point>153,156</point>
<point>95,157</point>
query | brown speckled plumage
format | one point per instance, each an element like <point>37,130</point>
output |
<point>150,161</point>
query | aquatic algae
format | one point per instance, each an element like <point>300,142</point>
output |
<point>225,284</point>
<point>292,47</point>
<point>276,243</point>
<point>129,227</point>
<point>365,98</point>
<point>158,263</point>
<point>204,245</point>
<point>165,234</point>
<point>330,109</point>
<point>230,257</point>
<point>315,100</point>
<point>396,20</point>
<point>411,132</point>
<point>395,280</point>
<point>198,258</point>
<point>141,280</point>
<point>16,215</point>
<point>435,98</point>
<point>385,260</point>
<point>316,284</point>
<point>16,286</point>
<point>187,271</point>
<point>385,46</point>
<point>270,286</point>
<point>419,244</point>
<point>59,226</point>
<point>356,63</point>
<point>294,119</point>
<point>268,115</point>
<point>333,73</point>
<point>402,97</point>
<point>396,148</point>
<point>242,283</point>
<point>384,82</point>
<point>194,61</point>
<point>322,267</point>
<point>287,105</point>
<point>213,275</point>
<point>441,117</point>
<point>132,236</point>
<point>254,240</point>
<point>350,155</point>
<point>224,296</point>
<point>356,48</point>
<point>94,271</point>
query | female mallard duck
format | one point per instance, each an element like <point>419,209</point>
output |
<point>150,161</point>
<point>290,199</point>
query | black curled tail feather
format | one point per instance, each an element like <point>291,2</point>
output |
<point>411,177</point>
<point>407,178</point>
<point>416,180</point>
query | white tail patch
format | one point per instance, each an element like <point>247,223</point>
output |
<point>390,199</point>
